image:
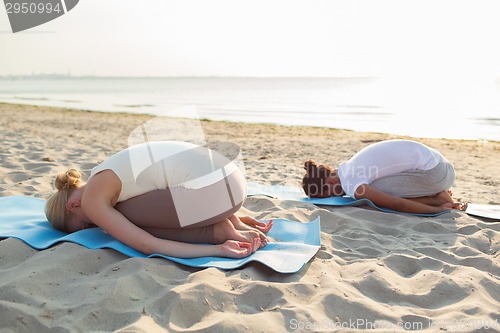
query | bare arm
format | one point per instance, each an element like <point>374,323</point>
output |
<point>97,203</point>
<point>385,200</point>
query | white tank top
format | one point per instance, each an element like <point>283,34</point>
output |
<point>165,164</point>
<point>383,159</point>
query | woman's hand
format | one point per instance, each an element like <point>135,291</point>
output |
<point>251,228</point>
<point>261,226</point>
<point>237,249</point>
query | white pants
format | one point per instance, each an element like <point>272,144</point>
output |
<point>417,183</point>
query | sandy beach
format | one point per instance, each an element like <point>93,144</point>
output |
<point>375,271</point>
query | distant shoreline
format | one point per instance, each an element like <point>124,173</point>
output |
<point>349,103</point>
<point>69,76</point>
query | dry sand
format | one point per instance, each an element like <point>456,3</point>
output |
<point>376,271</point>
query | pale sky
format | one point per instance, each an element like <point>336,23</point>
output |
<point>261,38</point>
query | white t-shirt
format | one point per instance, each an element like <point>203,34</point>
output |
<point>165,164</point>
<point>383,159</point>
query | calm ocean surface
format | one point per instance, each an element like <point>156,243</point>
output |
<point>358,104</point>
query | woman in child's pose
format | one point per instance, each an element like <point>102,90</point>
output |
<point>161,197</point>
<point>402,175</point>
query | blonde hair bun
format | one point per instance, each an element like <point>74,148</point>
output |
<point>68,179</point>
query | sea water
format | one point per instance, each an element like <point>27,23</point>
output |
<point>361,104</point>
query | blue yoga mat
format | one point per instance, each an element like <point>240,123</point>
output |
<point>293,243</point>
<point>284,192</point>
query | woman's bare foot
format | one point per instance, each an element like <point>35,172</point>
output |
<point>462,206</point>
<point>444,197</point>
<point>448,201</point>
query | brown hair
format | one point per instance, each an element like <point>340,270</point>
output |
<point>314,179</point>
<point>55,208</point>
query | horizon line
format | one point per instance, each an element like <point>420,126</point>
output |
<point>70,76</point>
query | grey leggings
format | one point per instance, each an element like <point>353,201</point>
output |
<point>417,183</point>
<point>179,207</point>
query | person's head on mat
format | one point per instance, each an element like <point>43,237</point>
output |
<point>185,196</point>
<point>321,181</point>
<point>402,175</point>
<point>59,208</point>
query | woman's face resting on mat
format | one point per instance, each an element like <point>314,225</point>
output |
<point>63,208</point>
<point>321,181</point>
<point>77,220</point>
<point>76,206</point>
